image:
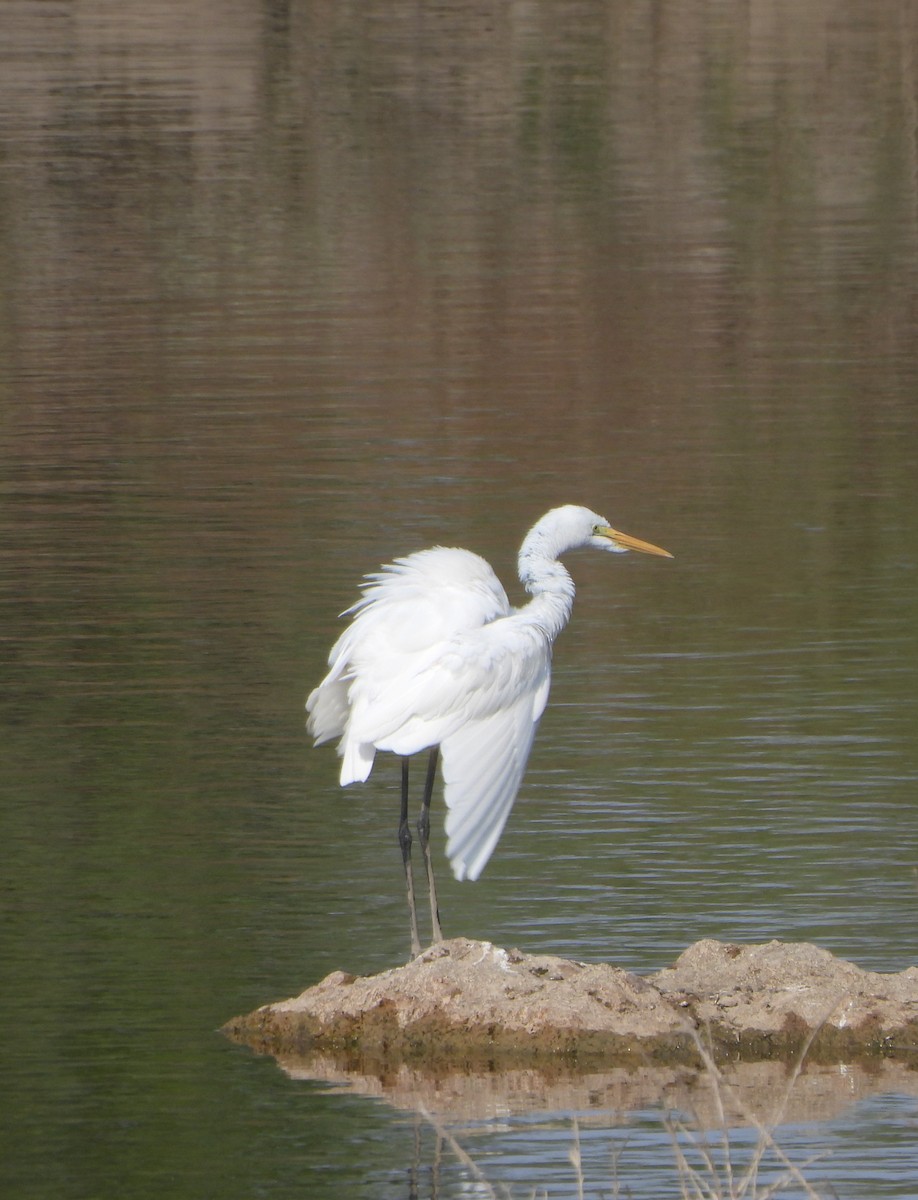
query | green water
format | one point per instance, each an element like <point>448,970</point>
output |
<point>290,289</point>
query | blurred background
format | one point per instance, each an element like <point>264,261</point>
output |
<point>288,289</point>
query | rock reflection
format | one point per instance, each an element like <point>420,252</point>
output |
<point>768,1090</point>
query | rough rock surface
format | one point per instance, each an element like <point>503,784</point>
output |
<point>465,1002</point>
<point>769,991</point>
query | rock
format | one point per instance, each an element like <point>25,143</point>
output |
<point>780,996</point>
<point>465,1003</point>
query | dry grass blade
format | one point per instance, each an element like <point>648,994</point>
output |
<point>726,1185</point>
<point>463,1156</point>
<point>693,1183</point>
<point>577,1160</point>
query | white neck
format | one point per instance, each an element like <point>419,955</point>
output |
<point>546,580</point>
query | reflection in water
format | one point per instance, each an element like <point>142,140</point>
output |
<point>753,1091</point>
<point>289,288</point>
<point>619,1125</point>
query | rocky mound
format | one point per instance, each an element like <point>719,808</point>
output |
<point>466,1003</point>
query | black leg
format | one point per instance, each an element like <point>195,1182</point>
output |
<point>404,840</point>
<point>424,835</point>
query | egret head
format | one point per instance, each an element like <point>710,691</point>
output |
<point>604,537</point>
<point>571,525</point>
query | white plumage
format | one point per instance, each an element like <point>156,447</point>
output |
<point>435,656</point>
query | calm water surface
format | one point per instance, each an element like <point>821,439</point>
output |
<point>289,289</point>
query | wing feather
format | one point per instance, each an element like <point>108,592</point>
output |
<point>399,626</point>
<point>469,678</point>
<point>434,655</point>
<point>483,765</point>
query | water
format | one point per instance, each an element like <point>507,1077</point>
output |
<point>290,289</point>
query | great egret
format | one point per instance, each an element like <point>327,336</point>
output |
<point>435,658</point>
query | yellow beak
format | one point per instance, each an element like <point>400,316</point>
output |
<point>626,542</point>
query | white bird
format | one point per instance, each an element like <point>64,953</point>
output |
<point>435,658</point>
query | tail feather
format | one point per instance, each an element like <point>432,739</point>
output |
<point>356,760</point>
<point>327,706</point>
